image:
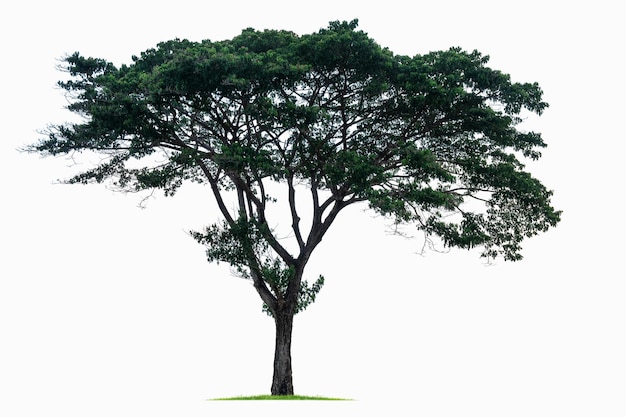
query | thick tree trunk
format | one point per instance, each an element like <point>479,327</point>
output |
<point>282,382</point>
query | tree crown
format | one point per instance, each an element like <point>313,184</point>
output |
<point>428,139</point>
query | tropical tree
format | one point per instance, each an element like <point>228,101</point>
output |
<point>312,123</point>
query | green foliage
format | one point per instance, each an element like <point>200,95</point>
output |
<point>306,295</point>
<point>239,244</point>
<point>432,140</point>
<point>243,246</point>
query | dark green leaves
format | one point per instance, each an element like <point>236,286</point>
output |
<point>244,159</point>
<point>86,68</point>
<point>243,245</point>
<point>240,244</point>
<point>431,139</point>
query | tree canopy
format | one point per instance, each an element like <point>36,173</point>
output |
<point>431,140</point>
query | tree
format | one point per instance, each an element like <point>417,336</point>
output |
<point>328,119</point>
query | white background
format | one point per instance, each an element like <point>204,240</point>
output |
<point>110,310</point>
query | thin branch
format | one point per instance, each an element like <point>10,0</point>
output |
<point>213,181</point>
<point>295,219</point>
<point>261,288</point>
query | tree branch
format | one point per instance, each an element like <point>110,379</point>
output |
<point>295,219</point>
<point>213,181</point>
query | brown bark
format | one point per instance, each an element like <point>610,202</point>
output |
<point>282,381</point>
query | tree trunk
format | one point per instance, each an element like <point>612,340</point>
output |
<point>282,382</point>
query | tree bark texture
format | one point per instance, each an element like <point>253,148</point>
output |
<point>282,382</point>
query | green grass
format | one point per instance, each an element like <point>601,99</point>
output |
<point>279,397</point>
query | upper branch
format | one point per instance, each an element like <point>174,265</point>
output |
<point>295,219</point>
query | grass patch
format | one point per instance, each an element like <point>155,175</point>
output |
<point>280,397</point>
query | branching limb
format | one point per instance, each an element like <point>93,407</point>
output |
<point>215,188</point>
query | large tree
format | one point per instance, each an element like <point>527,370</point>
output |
<point>316,123</point>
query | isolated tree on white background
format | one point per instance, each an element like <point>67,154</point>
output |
<point>330,119</point>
